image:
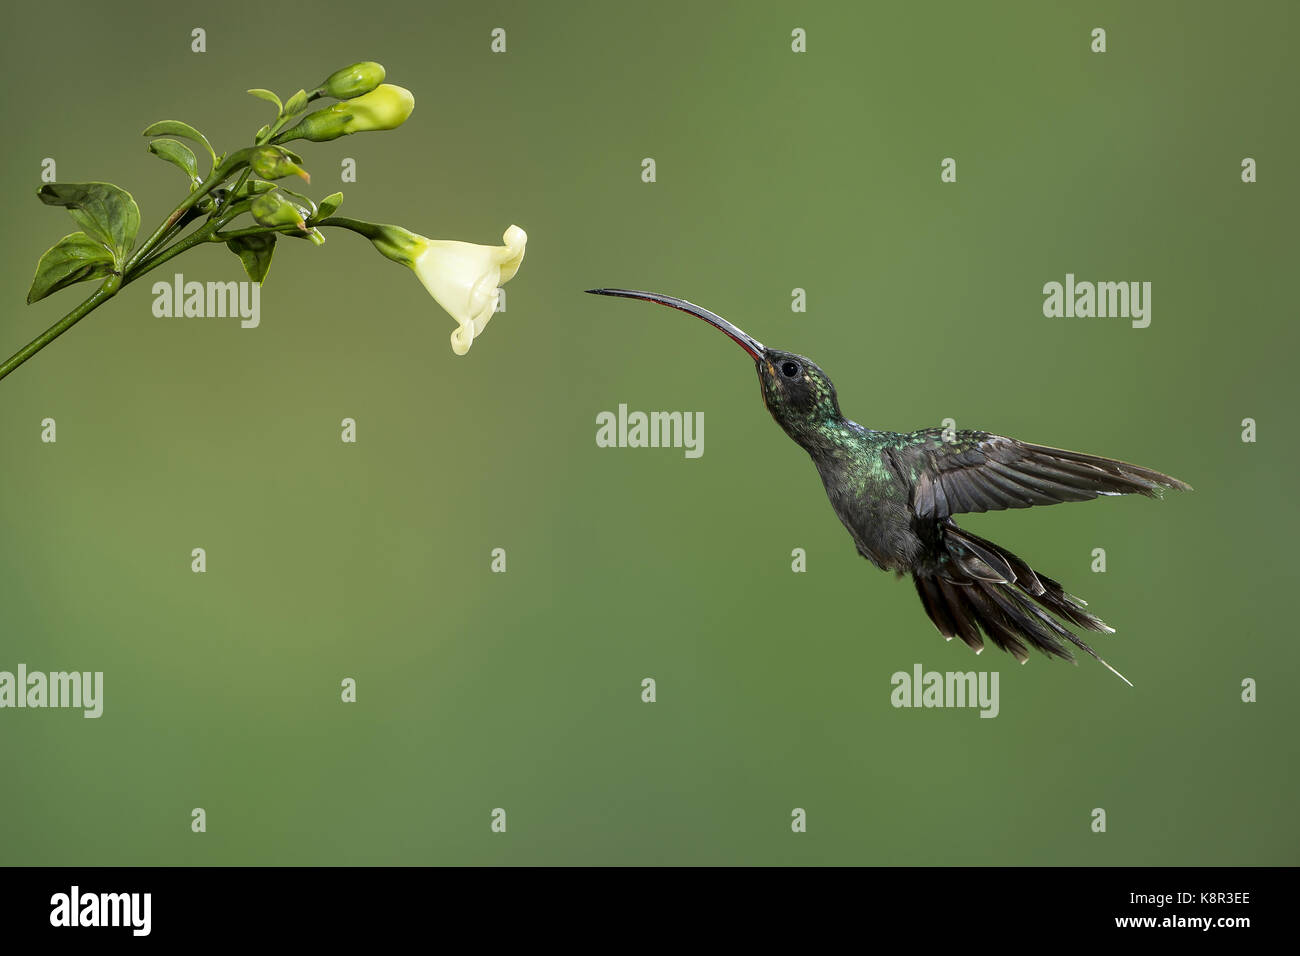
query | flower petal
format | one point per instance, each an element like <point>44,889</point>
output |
<point>514,239</point>
<point>466,278</point>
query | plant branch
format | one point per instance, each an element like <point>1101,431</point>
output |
<point>161,232</point>
<point>258,231</point>
<point>368,229</point>
<point>101,295</point>
<point>205,233</point>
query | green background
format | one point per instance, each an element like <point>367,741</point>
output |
<point>522,690</point>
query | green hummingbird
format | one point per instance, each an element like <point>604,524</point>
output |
<point>897,492</point>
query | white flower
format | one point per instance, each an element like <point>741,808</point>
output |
<point>466,279</point>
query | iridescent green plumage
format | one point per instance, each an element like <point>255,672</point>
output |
<point>896,493</point>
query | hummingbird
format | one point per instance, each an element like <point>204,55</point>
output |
<point>897,493</point>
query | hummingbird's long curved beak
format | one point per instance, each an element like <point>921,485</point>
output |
<point>747,342</point>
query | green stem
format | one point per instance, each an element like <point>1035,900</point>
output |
<point>208,228</point>
<point>167,224</point>
<point>370,230</point>
<point>101,295</point>
<point>257,231</point>
<point>206,233</point>
<point>279,125</point>
<point>197,237</point>
<point>243,178</point>
<point>220,173</point>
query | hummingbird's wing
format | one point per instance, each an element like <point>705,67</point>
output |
<point>976,471</point>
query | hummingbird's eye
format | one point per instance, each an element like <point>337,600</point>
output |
<point>790,369</point>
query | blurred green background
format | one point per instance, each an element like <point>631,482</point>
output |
<point>521,690</point>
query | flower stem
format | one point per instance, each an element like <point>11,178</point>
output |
<point>101,295</point>
<point>169,223</point>
<point>205,233</point>
<point>220,173</point>
<point>257,231</point>
<point>195,238</point>
<point>370,230</point>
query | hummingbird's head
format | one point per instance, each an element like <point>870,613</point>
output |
<point>797,393</point>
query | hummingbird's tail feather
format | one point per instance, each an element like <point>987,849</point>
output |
<point>982,587</point>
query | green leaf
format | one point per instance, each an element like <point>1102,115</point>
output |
<point>255,253</point>
<point>179,155</point>
<point>106,212</point>
<point>184,131</point>
<point>72,259</point>
<point>328,205</point>
<point>262,132</point>
<point>297,103</point>
<point>269,97</point>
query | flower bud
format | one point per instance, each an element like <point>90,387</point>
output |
<point>352,81</point>
<point>272,209</point>
<point>385,107</point>
<point>272,162</point>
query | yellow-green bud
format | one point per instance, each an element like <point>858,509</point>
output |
<point>272,162</point>
<point>272,209</point>
<point>385,107</point>
<point>352,81</point>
